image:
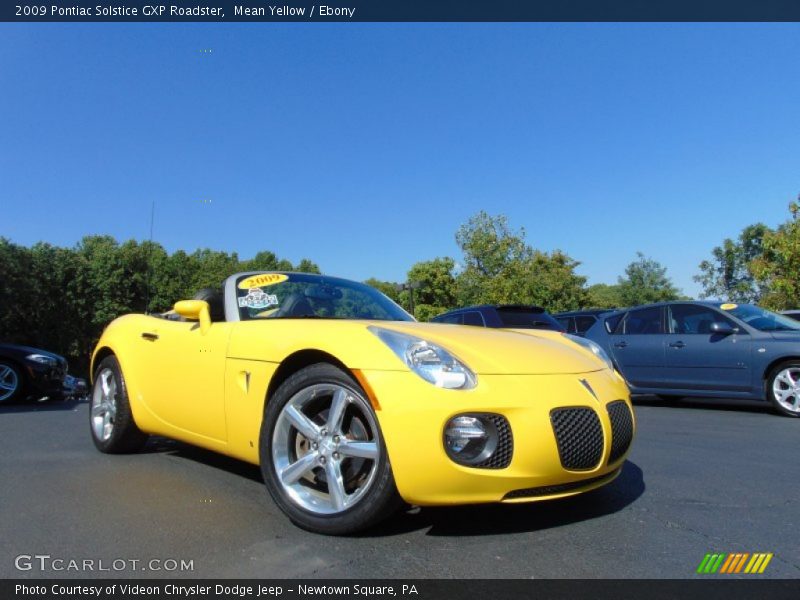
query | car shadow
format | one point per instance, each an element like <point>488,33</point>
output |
<point>41,405</point>
<point>494,519</point>
<point>723,404</point>
<point>159,445</point>
<point>468,520</point>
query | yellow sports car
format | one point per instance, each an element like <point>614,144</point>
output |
<point>350,406</point>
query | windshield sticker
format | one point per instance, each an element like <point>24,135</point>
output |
<point>262,280</point>
<point>258,298</point>
<point>728,306</point>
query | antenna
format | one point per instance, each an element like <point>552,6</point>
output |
<point>148,274</point>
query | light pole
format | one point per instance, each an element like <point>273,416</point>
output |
<point>410,286</point>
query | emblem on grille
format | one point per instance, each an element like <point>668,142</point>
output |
<point>588,387</point>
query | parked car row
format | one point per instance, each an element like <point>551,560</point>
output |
<point>27,372</point>
<point>686,348</point>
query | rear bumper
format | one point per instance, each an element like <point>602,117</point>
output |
<point>413,415</point>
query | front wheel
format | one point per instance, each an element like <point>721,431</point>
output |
<point>322,454</point>
<point>783,388</point>
<point>11,382</point>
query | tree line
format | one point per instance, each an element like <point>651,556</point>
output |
<point>62,298</point>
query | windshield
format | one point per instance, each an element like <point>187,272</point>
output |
<point>761,319</point>
<point>305,296</point>
<point>527,318</point>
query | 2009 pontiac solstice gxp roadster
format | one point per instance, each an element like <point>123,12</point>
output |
<point>350,406</point>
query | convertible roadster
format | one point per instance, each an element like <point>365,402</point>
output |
<point>350,407</point>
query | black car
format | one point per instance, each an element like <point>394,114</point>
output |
<point>26,372</point>
<point>511,316</point>
<point>578,322</point>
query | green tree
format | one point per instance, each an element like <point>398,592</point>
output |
<point>437,287</point>
<point>646,281</point>
<point>500,267</point>
<point>307,266</point>
<point>728,274</point>
<point>777,269</point>
<point>603,295</point>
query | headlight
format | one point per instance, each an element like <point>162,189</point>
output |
<point>42,359</point>
<point>593,347</point>
<point>431,362</point>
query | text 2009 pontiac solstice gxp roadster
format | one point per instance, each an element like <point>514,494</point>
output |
<point>349,405</point>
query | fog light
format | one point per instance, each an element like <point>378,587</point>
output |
<point>470,439</point>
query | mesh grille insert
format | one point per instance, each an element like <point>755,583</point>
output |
<point>501,457</point>
<point>621,429</point>
<point>579,437</point>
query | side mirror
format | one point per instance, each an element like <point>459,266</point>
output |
<point>196,310</point>
<point>722,328</point>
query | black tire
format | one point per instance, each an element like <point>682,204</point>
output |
<point>770,384</point>
<point>378,501</point>
<point>12,375</point>
<point>124,436</point>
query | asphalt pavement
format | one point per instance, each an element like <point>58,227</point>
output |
<point>702,477</point>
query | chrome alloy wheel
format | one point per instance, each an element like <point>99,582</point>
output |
<point>786,389</point>
<point>325,448</point>
<point>104,404</point>
<point>9,382</point>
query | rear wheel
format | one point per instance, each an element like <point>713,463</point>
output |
<point>783,388</point>
<point>113,429</point>
<point>322,454</point>
<point>11,382</point>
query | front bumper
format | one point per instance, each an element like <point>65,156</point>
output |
<point>45,380</point>
<point>412,415</point>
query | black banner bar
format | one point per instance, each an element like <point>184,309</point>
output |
<point>401,10</point>
<point>712,588</point>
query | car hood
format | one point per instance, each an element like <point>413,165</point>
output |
<point>504,351</point>
<point>22,351</point>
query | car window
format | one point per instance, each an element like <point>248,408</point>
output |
<point>568,323</point>
<point>612,322</point>
<point>473,318</point>
<point>693,319</point>
<point>451,319</point>
<point>524,317</point>
<point>642,321</point>
<point>583,323</point>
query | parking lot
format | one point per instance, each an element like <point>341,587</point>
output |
<point>702,477</point>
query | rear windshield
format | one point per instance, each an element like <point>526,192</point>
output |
<point>527,318</point>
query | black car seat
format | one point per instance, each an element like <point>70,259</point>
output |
<point>296,305</point>
<point>216,305</point>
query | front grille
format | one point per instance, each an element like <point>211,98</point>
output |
<point>621,429</point>
<point>579,437</point>
<point>550,490</point>
<point>501,457</point>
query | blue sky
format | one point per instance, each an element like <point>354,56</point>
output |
<point>365,146</point>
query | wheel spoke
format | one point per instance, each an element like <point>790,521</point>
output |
<point>302,423</point>
<point>782,378</point>
<point>336,491</point>
<point>298,468</point>
<point>98,410</point>
<point>6,386</point>
<point>338,406</point>
<point>359,449</point>
<point>104,383</point>
<point>784,395</point>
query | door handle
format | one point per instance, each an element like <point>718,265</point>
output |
<point>677,345</point>
<point>620,344</point>
<point>150,337</point>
